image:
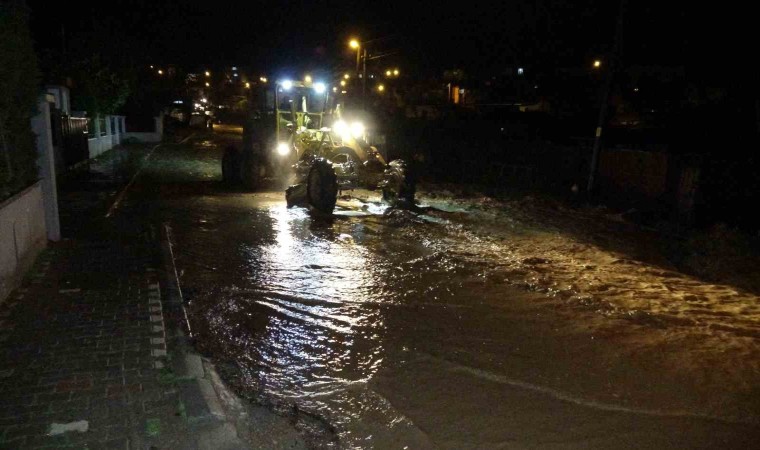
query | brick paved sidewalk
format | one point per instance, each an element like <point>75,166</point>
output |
<point>83,356</point>
<point>83,340</point>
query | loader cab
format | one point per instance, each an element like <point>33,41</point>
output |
<point>300,107</point>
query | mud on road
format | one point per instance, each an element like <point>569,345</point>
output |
<point>466,324</point>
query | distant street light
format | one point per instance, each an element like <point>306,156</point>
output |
<point>597,64</point>
<point>208,74</point>
<point>247,85</point>
<point>263,79</point>
<point>343,83</point>
<point>395,72</point>
<point>354,43</point>
<point>307,79</point>
<point>346,76</point>
<point>160,72</point>
<point>388,73</point>
<point>380,88</point>
<point>208,84</point>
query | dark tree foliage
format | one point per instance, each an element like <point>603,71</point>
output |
<point>19,88</point>
<point>96,88</point>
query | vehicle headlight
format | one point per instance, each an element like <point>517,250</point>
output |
<point>357,130</point>
<point>342,129</point>
<point>283,148</point>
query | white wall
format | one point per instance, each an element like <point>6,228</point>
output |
<point>22,235</point>
<point>98,144</point>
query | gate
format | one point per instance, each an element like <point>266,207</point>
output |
<point>69,139</point>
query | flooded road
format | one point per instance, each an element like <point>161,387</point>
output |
<point>383,328</point>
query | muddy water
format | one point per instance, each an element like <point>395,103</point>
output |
<point>432,329</point>
<point>389,331</point>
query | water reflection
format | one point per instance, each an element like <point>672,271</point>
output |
<point>323,293</point>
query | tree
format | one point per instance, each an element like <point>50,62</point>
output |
<point>97,88</point>
<point>19,90</point>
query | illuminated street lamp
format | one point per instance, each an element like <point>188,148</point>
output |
<point>388,73</point>
<point>380,88</point>
<point>346,76</point>
<point>597,64</point>
<point>208,74</point>
<point>160,72</point>
<point>263,79</point>
<point>307,79</point>
<point>208,84</point>
<point>343,83</point>
<point>247,85</point>
<point>395,72</point>
<point>354,44</point>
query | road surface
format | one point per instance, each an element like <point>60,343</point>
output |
<point>450,327</point>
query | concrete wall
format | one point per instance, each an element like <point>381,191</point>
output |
<point>98,144</point>
<point>154,136</point>
<point>62,98</point>
<point>46,164</point>
<point>636,172</point>
<point>22,235</point>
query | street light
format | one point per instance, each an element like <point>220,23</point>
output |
<point>160,72</point>
<point>263,79</point>
<point>208,74</point>
<point>355,44</point>
<point>380,88</point>
<point>247,85</point>
<point>208,84</point>
<point>388,73</point>
<point>395,72</point>
<point>343,83</point>
<point>597,64</point>
<point>307,79</point>
<point>346,76</point>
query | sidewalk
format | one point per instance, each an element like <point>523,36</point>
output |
<point>84,361</point>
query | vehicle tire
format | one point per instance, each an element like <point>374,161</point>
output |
<point>252,171</point>
<point>322,186</point>
<point>398,184</point>
<point>231,166</point>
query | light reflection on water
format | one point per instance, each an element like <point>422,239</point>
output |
<point>321,291</point>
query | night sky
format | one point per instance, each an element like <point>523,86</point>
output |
<point>426,37</point>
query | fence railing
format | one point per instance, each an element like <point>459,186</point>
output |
<point>69,139</point>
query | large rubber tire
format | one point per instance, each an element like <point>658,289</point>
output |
<point>252,171</point>
<point>398,183</point>
<point>231,166</point>
<point>322,186</point>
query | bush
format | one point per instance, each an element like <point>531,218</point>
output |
<point>19,88</point>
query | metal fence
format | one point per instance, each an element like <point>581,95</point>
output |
<point>69,139</point>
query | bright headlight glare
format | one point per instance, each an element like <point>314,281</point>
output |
<point>320,88</point>
<point>342,129</point>
<point>287,84</point>
<point>357,130</point>
<point>283,148</point>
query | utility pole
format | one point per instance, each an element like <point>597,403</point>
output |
<point>614,61</point>
<point>364,79</point>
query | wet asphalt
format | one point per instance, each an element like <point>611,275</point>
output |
<point>380,328</point>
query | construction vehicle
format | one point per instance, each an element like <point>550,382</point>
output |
<point>297,130</point>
